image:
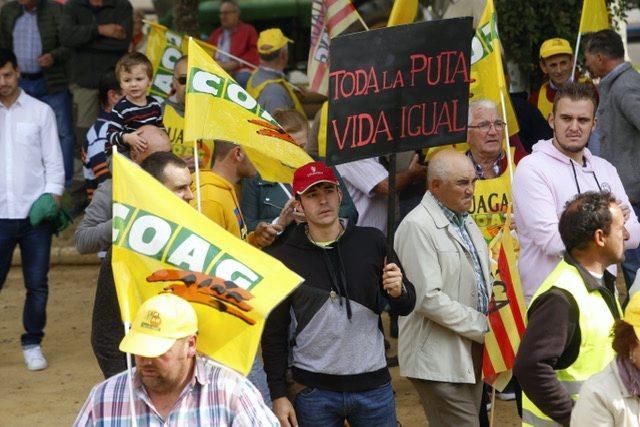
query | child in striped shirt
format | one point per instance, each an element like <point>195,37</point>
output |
<point>136,108</point>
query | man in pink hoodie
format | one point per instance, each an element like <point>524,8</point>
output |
<point>557,170</point>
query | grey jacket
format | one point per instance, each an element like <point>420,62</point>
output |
<point>619,125</point>
<point>94,232</point>
<point>436,338</point>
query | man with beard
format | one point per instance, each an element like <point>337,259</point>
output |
<point>557,170</point>
<point>578,300</point>
<point>172,383</point>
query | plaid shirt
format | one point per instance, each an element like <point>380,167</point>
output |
<point>27,44</point>
<point>499,165</point>
<point>216,396</point>
<point>458,222</point>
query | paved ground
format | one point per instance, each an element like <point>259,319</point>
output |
<point>54,396</point>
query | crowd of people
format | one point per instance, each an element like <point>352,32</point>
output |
<point>70,78</point>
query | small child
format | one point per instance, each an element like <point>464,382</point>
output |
<point>135,109</point>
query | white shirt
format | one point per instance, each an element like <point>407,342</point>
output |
<point>30,156</point>
<point>361,177</point>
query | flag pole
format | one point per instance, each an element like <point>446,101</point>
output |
<point>366,28</point>
<point>235,58</point>
<point>506,134</point>
<point>127,326</point>
<point>493,406</point>
<point>132,401</point>
<point>575,56</point>
<point>197,174</point>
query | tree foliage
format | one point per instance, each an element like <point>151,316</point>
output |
<point>186,17</point>
<point>525,24</point>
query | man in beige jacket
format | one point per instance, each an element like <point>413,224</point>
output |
<point>445,257</point>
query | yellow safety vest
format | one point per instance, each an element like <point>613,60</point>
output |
<point>595,320</point>
<point>255,91</point>
<point>544,105</point>
<point>491,198</point>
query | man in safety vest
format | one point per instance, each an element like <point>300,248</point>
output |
<point>556,62</point>
<point>570,316</point>
<point>268,84</point>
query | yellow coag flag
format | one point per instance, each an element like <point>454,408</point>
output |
<point>487,74</point>
<point>594,16</point>
<point>219,108</point>
<point>164,48</point>
<point>403,12</point>
<point>162,244</point>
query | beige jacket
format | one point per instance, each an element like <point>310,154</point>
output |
<point>435,339</point>
<point>605,401</point>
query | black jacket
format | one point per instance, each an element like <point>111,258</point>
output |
<point>336,339</point>
<point>93,54</point>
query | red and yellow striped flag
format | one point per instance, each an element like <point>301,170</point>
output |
<point>329,18</point>
<point>506,313</point>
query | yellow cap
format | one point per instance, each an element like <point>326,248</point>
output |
<point>271,40</point>
<point>159,322</point>
<point>555,46</point>
<point>632,313</point>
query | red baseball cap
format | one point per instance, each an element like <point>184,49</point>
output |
<point>311,174</point>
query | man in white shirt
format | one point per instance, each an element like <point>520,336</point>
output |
<point>31,166</point>
<point>368,184</point>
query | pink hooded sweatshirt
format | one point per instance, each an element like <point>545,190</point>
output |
<point>543,183</point>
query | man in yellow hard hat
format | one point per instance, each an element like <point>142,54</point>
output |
<point>556,62</point>
<point>172,382</point>
<point>268,84</point>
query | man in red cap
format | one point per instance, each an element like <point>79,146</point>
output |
<point>336,344</point>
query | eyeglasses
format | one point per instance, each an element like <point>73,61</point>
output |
<point>182,80</point>
<point>485,126</point>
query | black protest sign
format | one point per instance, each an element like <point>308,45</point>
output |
<point>398,89</point>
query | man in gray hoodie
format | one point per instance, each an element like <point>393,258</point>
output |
<point>618,118</point>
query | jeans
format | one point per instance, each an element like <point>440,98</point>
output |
<point>61,104</point>
<point>107,329</point>
<point>631,257</point>
<point>35,248</point>
<point>323,408</point>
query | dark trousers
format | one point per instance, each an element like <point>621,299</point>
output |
<point>35,250</point>
<point>107,329</point>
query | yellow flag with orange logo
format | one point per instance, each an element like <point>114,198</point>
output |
<point>162,244</point>
<point>219,108</point>
<point>487,74</point>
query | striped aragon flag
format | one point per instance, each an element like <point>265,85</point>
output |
<point>329,18</point>
<point>506,313</point>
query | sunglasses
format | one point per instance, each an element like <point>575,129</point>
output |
<point>182,80</point>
